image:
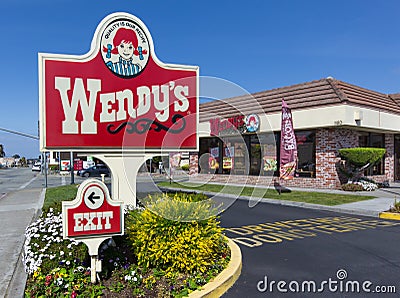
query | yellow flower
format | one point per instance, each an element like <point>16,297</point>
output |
<point>37,272</point>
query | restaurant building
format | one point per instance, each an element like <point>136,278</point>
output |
<point>240,136</point>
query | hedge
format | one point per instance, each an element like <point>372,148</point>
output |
<point>362,156</point>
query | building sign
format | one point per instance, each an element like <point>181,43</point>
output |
<point>234,125</point>
<point>252,122</point>
<point>92,213</point>
<point>119,95</point>
<point>226,126</point>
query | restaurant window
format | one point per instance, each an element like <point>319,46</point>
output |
<point>209,153</point>
<point>234,155</point>
<point>305,153</point>
<point>374,140</point>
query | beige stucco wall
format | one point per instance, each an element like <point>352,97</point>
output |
<point>332,116</point>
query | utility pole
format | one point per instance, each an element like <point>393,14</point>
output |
<point>71,166</point>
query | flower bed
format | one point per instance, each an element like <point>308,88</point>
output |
<point>60,268</point>
<point>361,185</point>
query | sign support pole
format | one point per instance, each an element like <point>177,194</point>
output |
<point>124,169</point>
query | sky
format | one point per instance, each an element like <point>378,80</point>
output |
<point>258,45</point>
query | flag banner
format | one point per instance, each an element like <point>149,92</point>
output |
<point>288,149</point>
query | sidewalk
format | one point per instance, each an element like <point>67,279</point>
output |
<point>385,198</point>
<point>17,210</point>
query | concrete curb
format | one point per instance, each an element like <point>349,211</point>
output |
<point>223,281</point>
<point>389,215</point>
<point>16,287</point>
<point>339,209</point>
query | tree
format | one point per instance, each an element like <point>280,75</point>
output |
<point>2,153</point>
<point>357,160</point>
<point>22,161</point>
<point>16,156</point>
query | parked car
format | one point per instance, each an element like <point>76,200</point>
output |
<point>36,167</point>
<point>96,170</point>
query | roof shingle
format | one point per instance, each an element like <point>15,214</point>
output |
<point>324,92</point>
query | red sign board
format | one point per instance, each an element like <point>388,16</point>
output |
<point>119,96</point>
<point>92,213</point>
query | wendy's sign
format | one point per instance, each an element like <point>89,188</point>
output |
<point>118,96</point>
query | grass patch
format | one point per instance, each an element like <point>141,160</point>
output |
<point>55,195</point>
<point>320,198</point>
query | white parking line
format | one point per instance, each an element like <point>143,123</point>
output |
<point>27,183</point>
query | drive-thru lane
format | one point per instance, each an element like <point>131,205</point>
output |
<point>289,251</point>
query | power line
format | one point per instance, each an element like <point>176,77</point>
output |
<point>20,133</point>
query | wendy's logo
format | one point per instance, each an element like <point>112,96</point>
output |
<point>252,122</point>
<point>125,48</point>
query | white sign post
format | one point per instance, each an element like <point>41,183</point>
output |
<point>92,218</point>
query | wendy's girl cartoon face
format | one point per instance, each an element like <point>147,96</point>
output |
<point>125,48</point>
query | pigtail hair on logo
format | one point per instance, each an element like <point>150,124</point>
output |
<point>140,52</point>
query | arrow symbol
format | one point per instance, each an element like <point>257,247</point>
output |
<point>92,197</point>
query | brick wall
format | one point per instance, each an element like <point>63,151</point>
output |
<point>389,157</point>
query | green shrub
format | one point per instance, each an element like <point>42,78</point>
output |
<point>174,245</point>
<point>362,156</point>
<point>53,167</point>
<point>396,207</point>
<point>185,167</point>
<point>352,187</point>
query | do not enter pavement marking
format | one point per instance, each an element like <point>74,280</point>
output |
<point>277,232</point>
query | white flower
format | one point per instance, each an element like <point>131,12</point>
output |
<point>128,277</point>
<point>135,278</point>
<point>61,253</point>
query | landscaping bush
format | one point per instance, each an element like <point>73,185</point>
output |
<point>367,184</point>
<point>396,207</point>
<point>362,156</point>
<point>174,245</point>
<point>358,160</point>
<point>352,187</point>
<point>185,167</point>
<point>53,168</point>
<point>360,186</point>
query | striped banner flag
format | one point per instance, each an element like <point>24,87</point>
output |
<point>288,149</point>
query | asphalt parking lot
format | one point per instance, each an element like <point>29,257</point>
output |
<point>290,251</point>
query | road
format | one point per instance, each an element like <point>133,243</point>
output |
<point>295,245</point>
<point>14,179</point>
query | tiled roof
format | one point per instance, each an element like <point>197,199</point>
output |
<point>313,94</point>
